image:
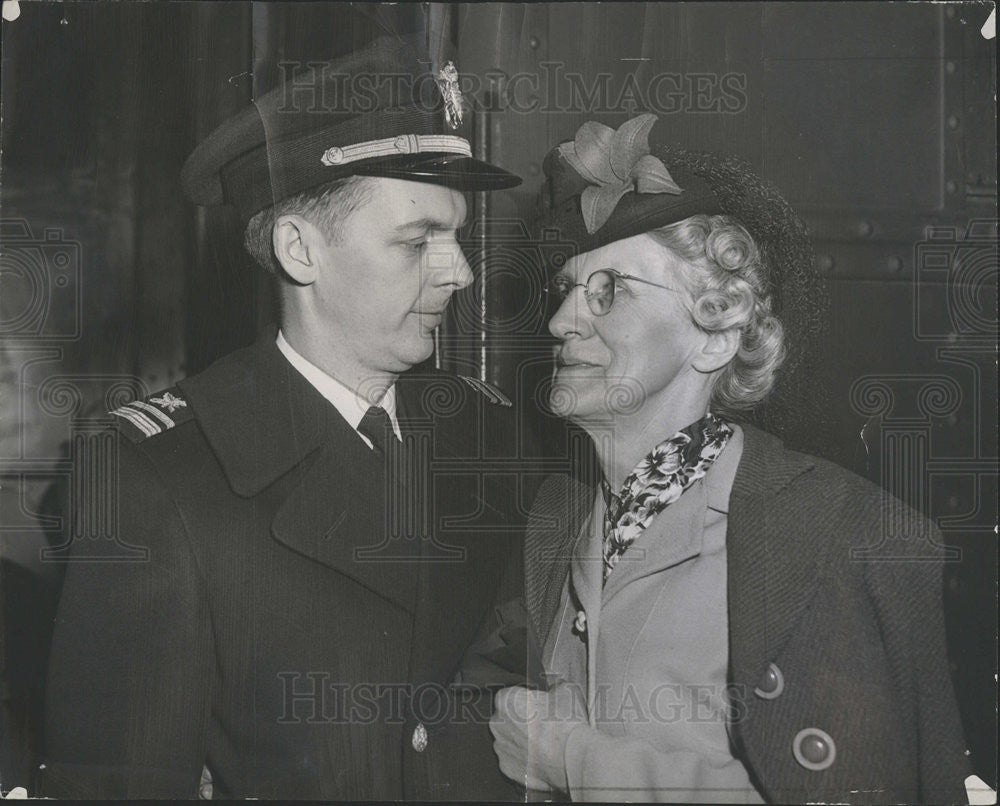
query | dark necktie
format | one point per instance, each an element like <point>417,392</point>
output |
<point>377,426</point>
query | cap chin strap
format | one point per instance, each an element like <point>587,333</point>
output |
<point>393,146</point>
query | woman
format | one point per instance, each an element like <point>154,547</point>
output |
<point>706,633</point>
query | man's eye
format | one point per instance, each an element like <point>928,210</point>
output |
<point>415,246</point>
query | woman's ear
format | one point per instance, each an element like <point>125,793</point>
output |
<point>718,350</point>
<point>293,239</point>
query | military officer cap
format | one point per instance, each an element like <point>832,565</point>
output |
<point>377,112</point>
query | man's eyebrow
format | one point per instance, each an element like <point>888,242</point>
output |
<point>431,224</point>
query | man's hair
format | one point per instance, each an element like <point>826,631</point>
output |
<point>729,289</point>
<point>327,206</point>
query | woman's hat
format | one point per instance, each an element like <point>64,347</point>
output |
<point>606,185</point>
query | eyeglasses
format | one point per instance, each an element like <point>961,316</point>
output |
<point>599,290</point>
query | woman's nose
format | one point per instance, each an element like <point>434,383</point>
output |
<point>573,316</point>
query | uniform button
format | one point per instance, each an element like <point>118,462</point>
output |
<point>814,749</point>
<point>772,685</point>
<point>419,740</point>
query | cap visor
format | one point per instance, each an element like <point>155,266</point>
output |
<point>452,170</point>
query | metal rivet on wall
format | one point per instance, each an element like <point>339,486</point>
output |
<point>895,264</point>
<point>865,228</point>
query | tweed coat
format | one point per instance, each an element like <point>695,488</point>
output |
<point>818,637</point>
<point>291,628</point>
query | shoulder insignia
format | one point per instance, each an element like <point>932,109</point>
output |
<point>142,419</point>
<point>488,390</point>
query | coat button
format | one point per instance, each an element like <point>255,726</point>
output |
<point>419,739</point>
<point>772,685</point>
<point>814,749</point>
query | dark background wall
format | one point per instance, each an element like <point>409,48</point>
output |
<point>877,121</point>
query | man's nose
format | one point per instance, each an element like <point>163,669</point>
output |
<point>448,265</point>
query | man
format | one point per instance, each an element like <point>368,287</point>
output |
<point>320,543</point>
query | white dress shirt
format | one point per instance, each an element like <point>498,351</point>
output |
<point>352,406</point>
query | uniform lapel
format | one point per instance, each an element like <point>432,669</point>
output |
<point>261,417</point>
<point>337,515</point>
<point>281,442</point>
<point>455,566</point>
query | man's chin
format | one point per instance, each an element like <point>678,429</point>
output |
<point>415,351</point>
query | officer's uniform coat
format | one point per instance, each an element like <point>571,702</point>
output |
<point>255,640</point>
<point>819,640</point>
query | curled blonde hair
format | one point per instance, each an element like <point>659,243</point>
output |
<point>729,288</point>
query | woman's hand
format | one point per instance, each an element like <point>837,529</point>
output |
<point>530,729</point>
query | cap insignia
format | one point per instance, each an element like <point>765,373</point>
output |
<point>447,81</point>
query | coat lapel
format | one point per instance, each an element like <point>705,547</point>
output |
<point>773,559</point>
<point>558,516</point>
<point>673,536</point>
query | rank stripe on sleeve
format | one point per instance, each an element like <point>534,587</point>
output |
<point>138,419</point>
<point>154,415</point>
<point>163,418</point>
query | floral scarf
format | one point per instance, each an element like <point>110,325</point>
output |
<point>657,481</point>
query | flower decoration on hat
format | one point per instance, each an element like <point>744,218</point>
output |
<point>615,163</point>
